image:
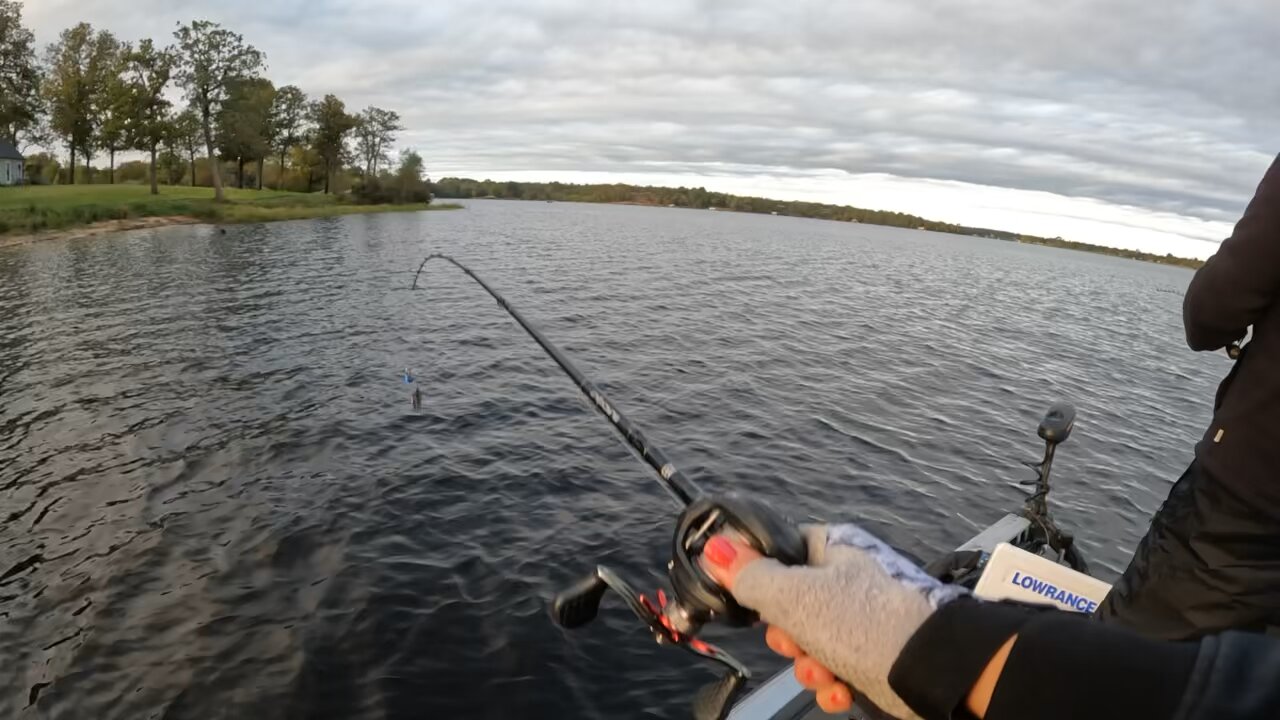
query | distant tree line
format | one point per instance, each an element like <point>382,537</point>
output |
<point>701,198</point>
<point>682,197</point>
<point>97,96</point>
<point>1167,259</point>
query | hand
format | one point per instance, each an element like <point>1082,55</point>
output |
<point>725,559</point>
<point>846,614</point>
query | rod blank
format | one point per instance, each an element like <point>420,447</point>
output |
<point>682,489</point>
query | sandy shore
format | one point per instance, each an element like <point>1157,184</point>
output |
<point>98,228</point>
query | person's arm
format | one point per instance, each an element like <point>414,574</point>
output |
<point>1237,286</point>
<point>979,698</point>
<point>1062,665</point>
<point>861,620</point>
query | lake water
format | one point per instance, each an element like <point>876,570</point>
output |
<point>220,503</point>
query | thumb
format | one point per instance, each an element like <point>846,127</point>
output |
<point>756,581</point>
<point>724,557</point>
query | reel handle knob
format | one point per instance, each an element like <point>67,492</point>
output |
<point>579,604</point>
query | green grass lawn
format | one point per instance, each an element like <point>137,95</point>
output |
<point>51,207</point>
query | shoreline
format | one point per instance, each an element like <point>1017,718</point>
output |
<point>234,215</point>
<point>102,227</point>
<point>701,199</point>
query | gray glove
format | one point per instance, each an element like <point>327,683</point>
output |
<point>852,608</point>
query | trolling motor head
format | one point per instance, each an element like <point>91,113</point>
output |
<point>697,599</point>
<point>1057,424</point>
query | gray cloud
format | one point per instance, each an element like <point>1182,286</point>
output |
<point>1167,106</point>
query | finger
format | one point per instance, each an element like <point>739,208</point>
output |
<point>835,698</point>
<point>724,557</point>
<point>812,674</point>
<point>780,642</point>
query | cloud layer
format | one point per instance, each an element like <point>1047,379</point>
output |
<point>1170,107</point>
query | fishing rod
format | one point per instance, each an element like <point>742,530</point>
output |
<point>696,598</point>
<point>684,491</point>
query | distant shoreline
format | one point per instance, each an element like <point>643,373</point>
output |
<point>1188,263</point>
<point>702,199</point>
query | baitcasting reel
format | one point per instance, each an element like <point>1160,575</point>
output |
<point>696,599</point>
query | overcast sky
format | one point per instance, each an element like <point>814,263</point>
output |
<point>1134,123</point>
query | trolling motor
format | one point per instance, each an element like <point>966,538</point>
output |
<point>1054,429</point>
<point>697,599</point>
<point>964,567</point>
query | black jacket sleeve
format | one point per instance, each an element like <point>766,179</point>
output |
<point>1065,665</point>
<point>1239,283</point>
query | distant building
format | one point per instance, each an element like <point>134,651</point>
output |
<point>12,165</point>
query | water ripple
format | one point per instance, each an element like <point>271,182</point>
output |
<point>220,503</point>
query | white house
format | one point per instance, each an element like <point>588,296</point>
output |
<point>11,164</point>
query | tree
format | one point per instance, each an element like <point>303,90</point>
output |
<point>288,115</point>
<point>68,89</point>
<point>133,171</point>
<point>42,168</point>
<point>213,58</point>
<point>40,135</point>
<point>114,107</point>
<point>106,62</point>
<point>244,130</point>
<point>406,185</point>
<point>375,132</point>
<point>332,123</point>
<point>305,158</point>
<point>82,65</point>
<point>20,102</point>
<point>148,71</point>
<point>187,136</point>
<point>410,178</point>
<point>268,129</point>
<point>171,157</point>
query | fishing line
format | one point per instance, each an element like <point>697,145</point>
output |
<point>683,490</point>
